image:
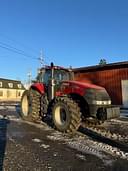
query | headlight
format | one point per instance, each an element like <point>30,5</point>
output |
<point>102,102</point>
<point>109,102</point>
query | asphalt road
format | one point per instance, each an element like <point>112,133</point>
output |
<point>26,146</point>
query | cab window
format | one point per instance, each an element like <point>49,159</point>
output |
<point>46,77</point>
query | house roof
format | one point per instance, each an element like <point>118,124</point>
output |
<point>102,67</point>
<point>10,84</point>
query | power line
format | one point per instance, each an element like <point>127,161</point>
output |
<point>15,50</point>
<point>9,46</point>
<point>17,42</point>
<point>23,45</point>
<point>21,52</point>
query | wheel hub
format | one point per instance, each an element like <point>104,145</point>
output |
<point>25,106</point>
<point>60,115</point>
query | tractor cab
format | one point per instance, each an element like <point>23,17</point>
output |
<point>59,74</point>
<point>52,77</point>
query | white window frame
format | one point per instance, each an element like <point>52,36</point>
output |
<point>1,84</point>
<point>19,85</point>
<point>10,85</point>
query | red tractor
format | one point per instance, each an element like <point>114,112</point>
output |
<point>56,93</point>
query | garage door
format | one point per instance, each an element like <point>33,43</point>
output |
<point>125,93</point>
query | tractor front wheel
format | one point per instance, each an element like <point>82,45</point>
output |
<point>66,114</point>
<point>30,105</point>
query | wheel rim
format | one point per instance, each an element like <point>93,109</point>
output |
<point>60,115</point>
<point>25,106</point>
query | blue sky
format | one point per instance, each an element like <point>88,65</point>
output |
<point>70,32</point>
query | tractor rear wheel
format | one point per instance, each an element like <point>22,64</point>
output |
<point>30,105</point>
<point>66,114</point>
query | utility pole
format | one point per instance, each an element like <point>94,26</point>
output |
<point>29,77</point>
<point>41,59</point>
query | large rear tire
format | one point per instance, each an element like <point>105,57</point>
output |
<point>66,115</point>
<point>30,105</point>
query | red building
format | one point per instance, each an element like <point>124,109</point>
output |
<point>114,77</point>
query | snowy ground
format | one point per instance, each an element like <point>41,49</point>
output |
<point>28,146</point>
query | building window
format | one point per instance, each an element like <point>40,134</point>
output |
<point>10,85</point>
<point>8,93</point>
<point>19,93</point>
<point>1,84</point>
<point>1,93</point>
<point>19,85</point>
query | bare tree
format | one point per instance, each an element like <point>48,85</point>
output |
<point>102,62</point>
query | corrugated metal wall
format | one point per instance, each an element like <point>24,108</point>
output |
<point>110,79</point>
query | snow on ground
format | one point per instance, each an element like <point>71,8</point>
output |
<point>85,145</point>
<point>44,146</point>
<point>80,142</point>
<point>36,140</point>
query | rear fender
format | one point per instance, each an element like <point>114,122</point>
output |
<point>39,87</point>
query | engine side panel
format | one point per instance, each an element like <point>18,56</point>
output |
<point>70,88</point>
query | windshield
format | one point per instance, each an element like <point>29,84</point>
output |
<point>59,75</point>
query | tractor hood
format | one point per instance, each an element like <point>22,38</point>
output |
<point>78,87</point>
<point>83,84</point>
<point>90,92</point>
